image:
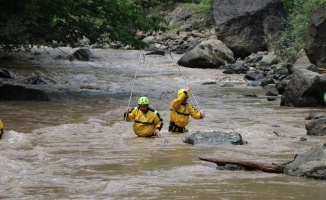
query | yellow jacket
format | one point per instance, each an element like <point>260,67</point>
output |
<point>145,123</point>
<point>1,129</point>
<point>179,112</point>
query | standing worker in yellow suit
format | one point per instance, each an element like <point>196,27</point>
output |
<point>180,111</point>
<point>147,121</point>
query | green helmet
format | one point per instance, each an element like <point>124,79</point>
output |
<point>143,100</point>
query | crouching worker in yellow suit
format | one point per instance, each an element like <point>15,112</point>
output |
<point>180,111</point>
<point>1,129</point>
<point>147,121</point>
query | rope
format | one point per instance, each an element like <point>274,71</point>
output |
<point>133,85</point>
<point>193,96</point>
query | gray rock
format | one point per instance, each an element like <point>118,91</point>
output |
<point>268,60</point>
<point>315,43</point>
<point>280,87</point>
<point>5,73</point>
<point>17,92</point>
<point>311,164</point>
<point>313,116</point>
<point>248,26</point>
<point>207,54</point>
<point>82,54</point>
<point>214,138</point>
<point>316,127</point>
<point>305,89</point>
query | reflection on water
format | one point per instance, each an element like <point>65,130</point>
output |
<point>78,147</point>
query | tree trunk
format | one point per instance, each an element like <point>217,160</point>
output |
<point>247,164</point>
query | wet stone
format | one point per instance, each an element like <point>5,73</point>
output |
<point>214,138</point>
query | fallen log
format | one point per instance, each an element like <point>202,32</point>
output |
<point>250,165</point>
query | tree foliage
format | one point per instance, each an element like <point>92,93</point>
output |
<point>47,22</point>
<point>292,41</point>
<point>153,3</point>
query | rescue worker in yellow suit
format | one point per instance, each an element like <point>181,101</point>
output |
<point>180,111</point>
<point>147,121</point>
<point>1,129</point>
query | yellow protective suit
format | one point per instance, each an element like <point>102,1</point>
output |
<point>145,123</point>
<point>179,114</point>
<point>1,129</point>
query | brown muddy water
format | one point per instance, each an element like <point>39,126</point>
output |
<point>78,147</point>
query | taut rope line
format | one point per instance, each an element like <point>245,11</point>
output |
<point>193,96</point>
<point>133,84</point>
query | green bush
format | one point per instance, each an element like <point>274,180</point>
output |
<point>292,41</point>
<point>205,6</point>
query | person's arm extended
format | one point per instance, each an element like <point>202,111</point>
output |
<point>195,114</point>
<point>128,114</point>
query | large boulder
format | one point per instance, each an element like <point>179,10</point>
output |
<point>305,89</point>
<point>315,45</point>
<point>311,164</point>
<point>208,54</point>
<point>248,26</point>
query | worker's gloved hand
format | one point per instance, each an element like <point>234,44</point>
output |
<point>157,133</point>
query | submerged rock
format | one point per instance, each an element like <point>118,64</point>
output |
<point>5,73</point>
<point>17,92</point>
<point>82,55</point>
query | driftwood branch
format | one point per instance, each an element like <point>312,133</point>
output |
<point>247,164</point>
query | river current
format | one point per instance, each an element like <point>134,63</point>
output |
<point>77,145</point>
